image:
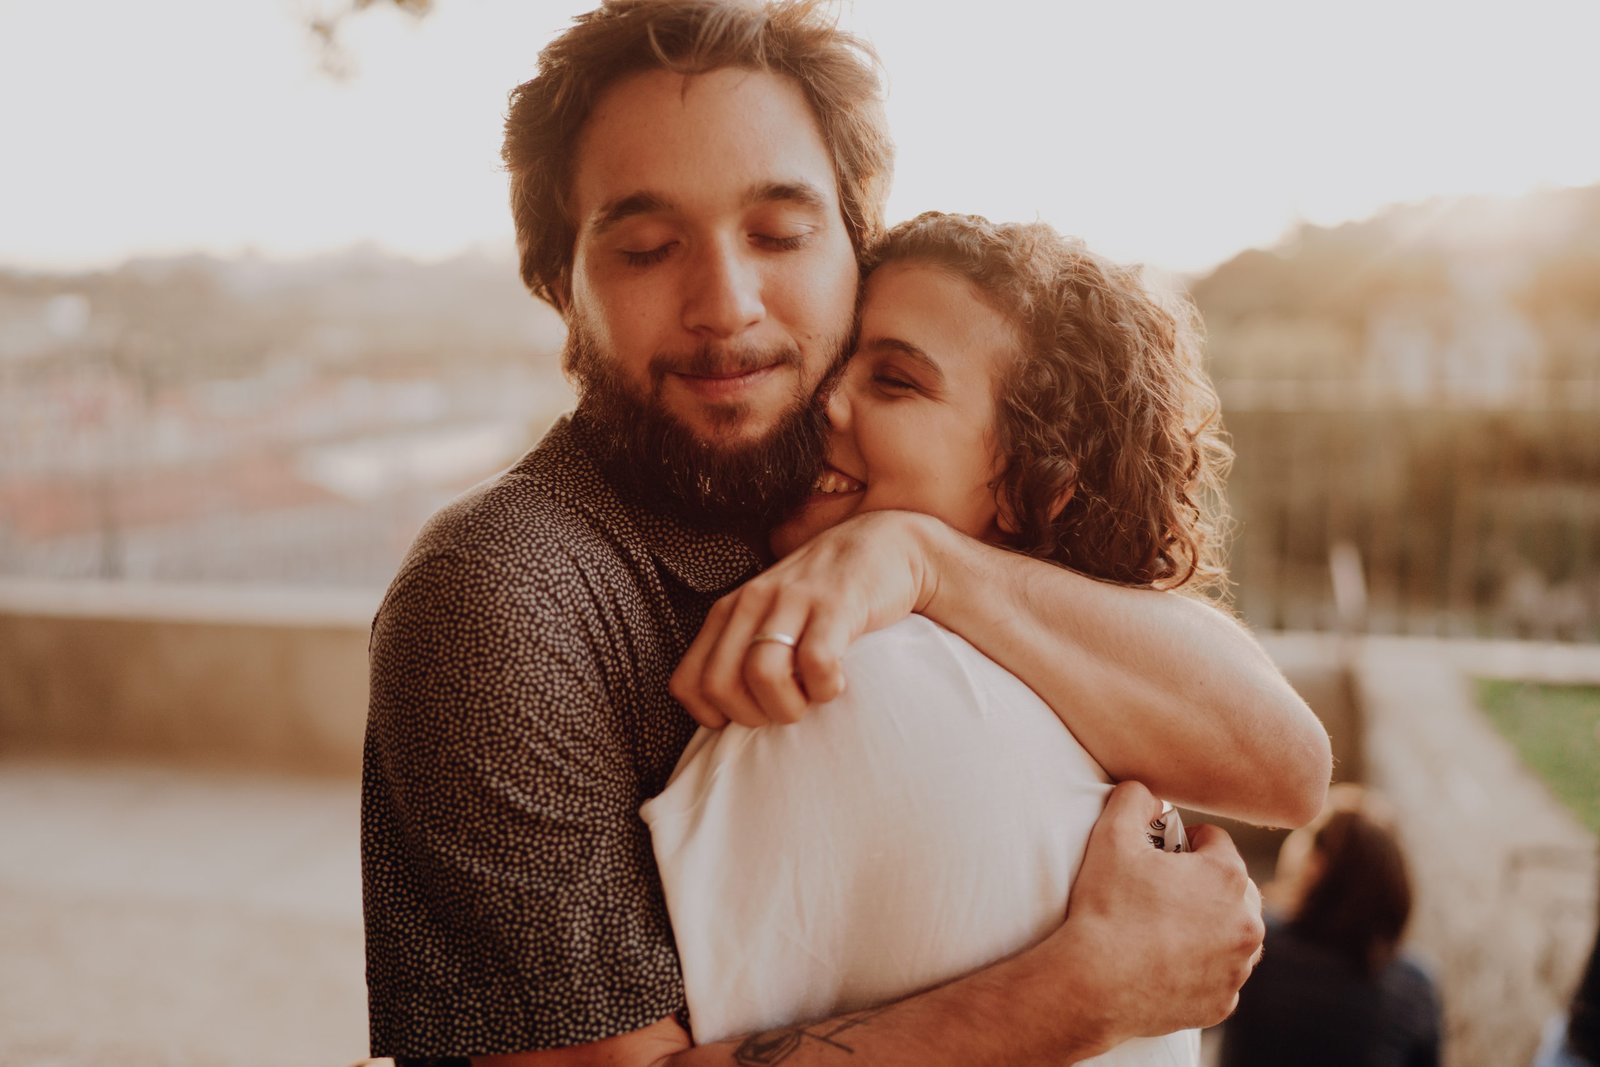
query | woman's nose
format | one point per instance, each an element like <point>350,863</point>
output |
<point>838,406</point>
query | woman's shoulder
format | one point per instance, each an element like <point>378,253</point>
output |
<point>919,652</point>
<point>918,678</point>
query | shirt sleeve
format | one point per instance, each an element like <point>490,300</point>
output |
<point>511,897</point>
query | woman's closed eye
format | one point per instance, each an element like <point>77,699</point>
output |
<point>894,383</point>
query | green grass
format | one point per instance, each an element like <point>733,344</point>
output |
<point>1556,729</point>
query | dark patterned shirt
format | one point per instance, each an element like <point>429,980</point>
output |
<point>519,716</point>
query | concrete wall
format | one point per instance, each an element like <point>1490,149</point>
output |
<point>277,679</point>
<point>225,676</point>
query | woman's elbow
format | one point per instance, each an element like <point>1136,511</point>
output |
<point>1309,768</point>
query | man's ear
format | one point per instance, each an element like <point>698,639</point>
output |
<point>1006,517</point>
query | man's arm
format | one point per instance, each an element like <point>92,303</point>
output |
<point>1158,687</point>
<point>510,896</point>
<point>1153,942</point>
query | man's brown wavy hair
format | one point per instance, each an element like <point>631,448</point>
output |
<point>1108,426</point>
<point>837,72</point>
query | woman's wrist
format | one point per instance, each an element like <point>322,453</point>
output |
<point>941,559</point>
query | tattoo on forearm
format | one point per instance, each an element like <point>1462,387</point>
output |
<point>775,1046</point>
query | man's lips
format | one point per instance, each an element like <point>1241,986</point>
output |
<point>723,386</point>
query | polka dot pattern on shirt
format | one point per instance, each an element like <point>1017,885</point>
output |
<point>519,716</point>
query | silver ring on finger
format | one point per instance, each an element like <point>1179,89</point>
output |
<point>776,638</point>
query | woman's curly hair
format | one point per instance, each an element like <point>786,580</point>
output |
<point>1110,430</point>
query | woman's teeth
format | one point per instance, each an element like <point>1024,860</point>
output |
<point>831,481</point>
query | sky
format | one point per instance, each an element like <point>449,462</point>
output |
<point>1172,133</point>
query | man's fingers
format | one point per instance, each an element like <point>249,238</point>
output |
<point>1214,844</point>
<point>1204,837</point>
<point>1130,807</point>
<point>1257,932</point>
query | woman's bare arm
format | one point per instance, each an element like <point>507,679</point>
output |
<point>1158,687</point>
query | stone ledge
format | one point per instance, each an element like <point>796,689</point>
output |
<point>268,679</point>
<point>174,602</point>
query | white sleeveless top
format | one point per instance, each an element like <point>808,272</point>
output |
<point>927,823</point>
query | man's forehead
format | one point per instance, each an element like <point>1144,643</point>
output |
<point>661,141</point>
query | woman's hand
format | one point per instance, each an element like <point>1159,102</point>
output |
<point>859,576</point>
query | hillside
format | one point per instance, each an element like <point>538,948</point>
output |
<point>196,317</point>
<point>1470,294</point>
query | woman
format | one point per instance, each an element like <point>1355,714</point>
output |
<point>932,819</point>
<point>1333,987</point>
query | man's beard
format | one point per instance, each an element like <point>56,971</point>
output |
<point>653,458</point>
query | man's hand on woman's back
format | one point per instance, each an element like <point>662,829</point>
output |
<point>1172,936</point>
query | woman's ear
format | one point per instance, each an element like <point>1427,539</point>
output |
<point>1063,498</point>
<point>1005,519</point>
<point>1006,515</point>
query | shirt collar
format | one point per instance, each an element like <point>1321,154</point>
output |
<point>703,560</point>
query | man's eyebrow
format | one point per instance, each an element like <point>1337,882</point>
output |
<point>800,193</point>
<point>803,194</point>
<point>910,351</point>
<point>612,212</point>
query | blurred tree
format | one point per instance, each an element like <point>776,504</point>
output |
<point>334,60</point>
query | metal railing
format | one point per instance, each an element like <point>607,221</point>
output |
<point>1459,516</point>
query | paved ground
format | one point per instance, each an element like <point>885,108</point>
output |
<point>160,917</point>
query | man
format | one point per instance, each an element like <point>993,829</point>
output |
<point>691,182</point>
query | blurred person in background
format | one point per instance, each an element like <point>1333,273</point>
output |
<point>1574,1040</point>
<point>1333,988</point>
<point>692,182</point>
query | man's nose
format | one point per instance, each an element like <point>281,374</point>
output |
<point>724,291</point>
